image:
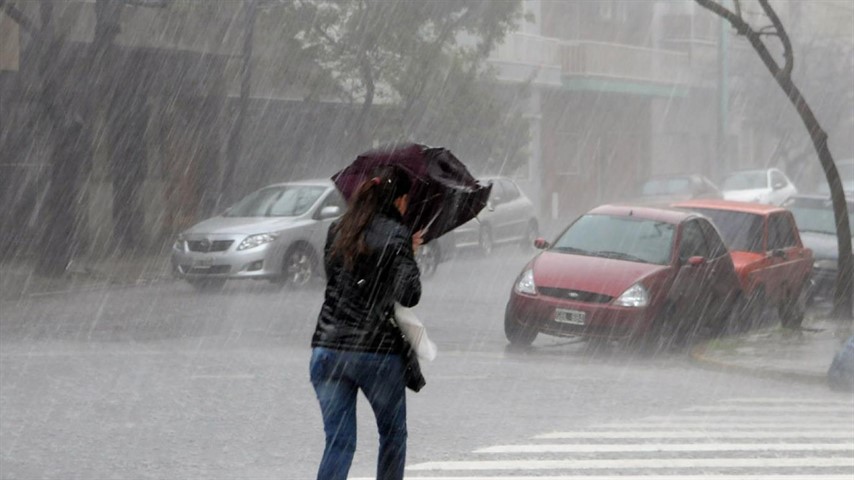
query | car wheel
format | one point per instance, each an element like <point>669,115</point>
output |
<point>668,331</point>
<point>299,268</point>
<point>531,234</point>
<point>517,334</point>
<point>207,284</point>
<point>750,309</point>
<point>792,309</point>
<point>484,240</point>
<point>428,260</point>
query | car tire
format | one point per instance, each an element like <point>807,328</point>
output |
<point>751,309</point>
<point>792,309</point>
<point>668,332</point>
<point>485,240</point>
<point>207,284</point>
<point>517,334</point>
<point>428,257</point>
<point>299,267</point>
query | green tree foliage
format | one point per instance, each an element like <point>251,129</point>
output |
<point>419,72</point>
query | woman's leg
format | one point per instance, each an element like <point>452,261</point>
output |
<point>337,396</point>
<point>386,392</point>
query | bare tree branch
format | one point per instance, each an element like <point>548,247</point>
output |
<point>743,28</point>
<point>784,37</point>
<point>18,16</point>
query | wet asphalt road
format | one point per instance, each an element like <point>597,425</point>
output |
<point>168,383</point>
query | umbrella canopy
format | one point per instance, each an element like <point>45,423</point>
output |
<point>444,195</point>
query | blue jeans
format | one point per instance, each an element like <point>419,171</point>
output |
<point>337,376</point>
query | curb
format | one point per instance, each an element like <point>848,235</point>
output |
<point>699,356</point>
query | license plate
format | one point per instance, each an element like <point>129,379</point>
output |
<point>203,263</point>
<point>571,317</point>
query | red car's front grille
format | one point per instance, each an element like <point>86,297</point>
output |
<point>576,295</point>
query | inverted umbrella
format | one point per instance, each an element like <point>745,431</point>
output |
<point>444,195</point>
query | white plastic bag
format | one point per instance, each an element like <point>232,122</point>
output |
<point>415,332</point>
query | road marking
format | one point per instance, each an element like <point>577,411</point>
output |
<point>668,447</point>
<point>672,434</point>
<point>229,376</point>
<point>648,463</point>
<point>772,419</point>
<point>765,408</point>
<point>787,401</point>
<point>634,477</point>
<point>829,425</point>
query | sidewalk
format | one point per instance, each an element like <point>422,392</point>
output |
<point>17,279</point>
<point>774,352</point>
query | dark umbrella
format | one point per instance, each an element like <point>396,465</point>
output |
<point>444,194</point>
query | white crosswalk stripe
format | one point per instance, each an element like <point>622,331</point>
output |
<point>738,438</point>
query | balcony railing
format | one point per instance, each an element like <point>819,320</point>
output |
<point>610,60</point>
<point>595,59</point>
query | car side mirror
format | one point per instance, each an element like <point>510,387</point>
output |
<point>541,243</point>
<point>696,261</point>
<point>778,253</point>
<point>490,205</point>
<point>330,211</point>
<point>778,186</point>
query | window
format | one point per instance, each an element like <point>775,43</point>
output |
<point>717,247</point>
<point>511,191</point>
<point>279,201</point>
<point>778,180</point>
<point>781,232</point>
<point>693,242</point>
<point>740,231</point>
<point>622,238</point>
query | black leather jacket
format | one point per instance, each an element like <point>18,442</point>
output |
<point>358,303</point>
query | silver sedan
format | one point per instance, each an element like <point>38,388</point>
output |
<point>276,233</point>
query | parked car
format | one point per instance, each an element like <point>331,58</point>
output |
<point>817,226</point>
<point>846,175</point>
<point>678,187</point>
<point>276,233</point>
<point>509,217</point>
<point>772,263</point>
<point>769,185</point>
<point>625,272</point>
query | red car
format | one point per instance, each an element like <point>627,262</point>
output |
<point>625,272</point>
<point>772,264</point>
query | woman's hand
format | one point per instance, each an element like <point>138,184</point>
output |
<point>417,240</point>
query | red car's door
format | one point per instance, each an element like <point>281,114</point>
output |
<point>692,289</point>
<point>789,263</point>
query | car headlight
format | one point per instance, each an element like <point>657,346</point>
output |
<point>635,296</point>
<point>253,241</point>
<point>526,284</point>
<point>180,243</point>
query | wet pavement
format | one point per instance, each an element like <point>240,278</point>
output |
<point>801,355</point>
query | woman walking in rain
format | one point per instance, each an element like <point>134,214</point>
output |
<point>370,264</point>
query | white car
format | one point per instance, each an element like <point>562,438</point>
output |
<point>769,185</point>
<point>509,217</point>
<point>276,233</point>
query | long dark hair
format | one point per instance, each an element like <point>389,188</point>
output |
<point>376,194</point>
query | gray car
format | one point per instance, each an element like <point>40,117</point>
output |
<point>276,233</point>
<point>509,217</point>
<point>817,227</point>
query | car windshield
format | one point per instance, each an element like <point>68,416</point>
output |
<point>623,238</point>
<point>280,201</point>
<point>817,217</point>
<point>745,181</point>
<point>666,186</point>
<point>740,231</point>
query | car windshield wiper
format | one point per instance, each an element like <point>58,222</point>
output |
<point>579,251</point>
<point>618,255</point>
